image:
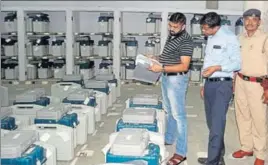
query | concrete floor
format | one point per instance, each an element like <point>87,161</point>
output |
<point>197,129</point>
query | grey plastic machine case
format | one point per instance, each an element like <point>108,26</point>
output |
<point>55,111</point>
<point>96,84</point>
<point>80,94</point>
<point>136,139</point>
<point>141,116</point>
<point>10,22</point>
<point>195,71</point>
<point>30,95</point>
<point>141,71</point>
<point>145,99</point>
<point>198,50</point>
<point>72,78</point>
<point>15,143</point>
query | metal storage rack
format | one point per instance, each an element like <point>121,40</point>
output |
<point>93,37</point>
<point>45,44</point>
<point>9,45</point>
<point>68,25</point>
<point>142,39</point>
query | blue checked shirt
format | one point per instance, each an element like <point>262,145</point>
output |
<point>223,49</point>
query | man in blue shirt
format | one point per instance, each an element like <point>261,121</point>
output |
<point>222,59</point>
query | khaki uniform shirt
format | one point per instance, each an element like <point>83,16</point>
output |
<point>254,54</point>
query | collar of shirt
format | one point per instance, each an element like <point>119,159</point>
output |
<point>256,34</point>
<point>218,33</point>
<point>170,37</point>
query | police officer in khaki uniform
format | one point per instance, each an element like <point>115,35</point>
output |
<point>251,112</point>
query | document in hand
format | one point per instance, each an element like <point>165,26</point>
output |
<point>141,72</point>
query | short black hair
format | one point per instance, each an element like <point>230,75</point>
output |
<point>211,19</point>
<point>178,18</point>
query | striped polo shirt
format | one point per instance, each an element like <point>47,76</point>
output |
<point>175,47</point>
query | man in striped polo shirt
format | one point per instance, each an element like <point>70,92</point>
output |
<point>175,60</point>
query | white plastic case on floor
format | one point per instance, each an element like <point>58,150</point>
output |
<point>141,116</point>
<point>136,139</point>
<point>53,112</point>
<point>80,94</point>
<point>81,129</point>
<point>25,114</point>
<point>63,89</point>
<point>146,99</point>
<point>51,154</point>
<point>90,114</point>
<point>160,116</point>
<point>102,102</point>
<point>30,95</point>
<point>15,143</point>
<point>60,136</point>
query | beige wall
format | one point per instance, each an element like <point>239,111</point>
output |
<point>261,5</point>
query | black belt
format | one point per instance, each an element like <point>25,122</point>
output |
<point>215,79</point>
<point>174,74</point>
<point>250,78</point>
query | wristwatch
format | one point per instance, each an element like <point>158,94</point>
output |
<point>163,68</point>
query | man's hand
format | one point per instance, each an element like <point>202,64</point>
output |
<point>155,68</point>
<point>265,97</point>
<point>264,84</point>
<point>202,92</point>
<point>210,70</point>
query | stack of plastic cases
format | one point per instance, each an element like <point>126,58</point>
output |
<point>18,149</point>
<point>70,120</point>
<point>153,157</point>
<point>32,158</point>
<point>61,117</point>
